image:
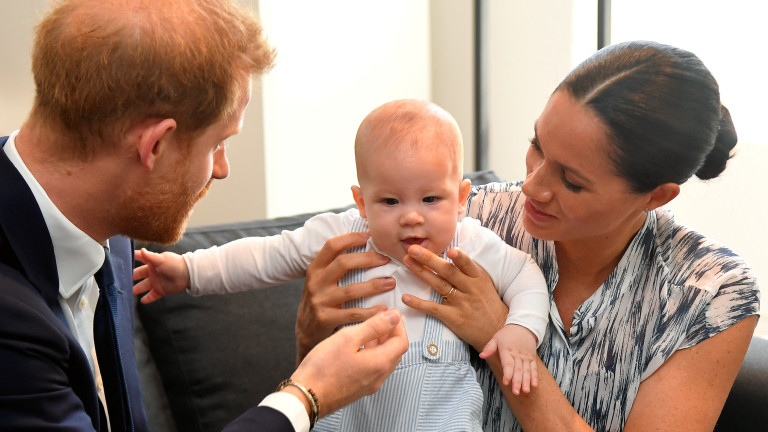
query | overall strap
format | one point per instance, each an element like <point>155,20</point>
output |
<point>355,275</point>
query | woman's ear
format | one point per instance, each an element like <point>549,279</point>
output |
<point>152,137</point>
<point>464,188</point>
<point>663,194</point>
<point>357,194</point>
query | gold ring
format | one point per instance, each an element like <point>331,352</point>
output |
<point>452,291</point>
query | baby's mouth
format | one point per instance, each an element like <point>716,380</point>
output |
<point>414,241</point>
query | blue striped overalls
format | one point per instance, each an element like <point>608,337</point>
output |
<point>434,387</point>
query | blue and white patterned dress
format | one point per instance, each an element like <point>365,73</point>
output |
<point>672,289</point>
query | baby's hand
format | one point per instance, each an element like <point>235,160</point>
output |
<point>516,346</point>
<point>163,274</point>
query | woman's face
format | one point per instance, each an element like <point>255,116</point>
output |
<point>572,190</point>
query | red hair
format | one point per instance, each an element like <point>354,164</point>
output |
<point>101,66</point>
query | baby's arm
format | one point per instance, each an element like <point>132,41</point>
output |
<point>239,265</point>
<point>516,346</point>
<point>523,289</point>
<point>516,343</point>
<point>162,274</point>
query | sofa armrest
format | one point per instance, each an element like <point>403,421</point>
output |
<point>746,409</point>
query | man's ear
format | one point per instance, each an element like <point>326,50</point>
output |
<point>464,188</point>
<point>152,137</point>
<point>357,194</point>
<point>663,194</point>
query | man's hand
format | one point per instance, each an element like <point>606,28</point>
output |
<point>340,372</point>
<point>321,309</point>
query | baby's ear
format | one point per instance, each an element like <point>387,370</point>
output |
<point>357,194</point>
<point>464,188</point>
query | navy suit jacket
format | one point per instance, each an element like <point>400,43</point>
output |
<point>45,380</point>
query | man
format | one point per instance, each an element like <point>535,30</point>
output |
<point>134,101</point>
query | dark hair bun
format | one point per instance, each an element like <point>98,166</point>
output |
<point>716,160</point>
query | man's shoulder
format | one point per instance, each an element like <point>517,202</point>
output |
<point>21,302</point>
<point>17,289</point>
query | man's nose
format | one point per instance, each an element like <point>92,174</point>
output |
<point>220,163</point>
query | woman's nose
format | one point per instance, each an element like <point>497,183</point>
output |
<point>220,163</point>
<point>536,186</point>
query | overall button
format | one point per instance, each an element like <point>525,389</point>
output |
<point>432,349</point>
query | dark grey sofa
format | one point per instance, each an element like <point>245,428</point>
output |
<point>205,360</point>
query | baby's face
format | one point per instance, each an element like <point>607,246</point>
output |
<point>413,198</point>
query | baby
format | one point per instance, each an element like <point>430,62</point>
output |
<point>408,155</point>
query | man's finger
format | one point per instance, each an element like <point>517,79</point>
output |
<point>346,262</point>
<point>336,245</point>
<point>360,289</point>
<point>356,315</point>
<point>376,327</point>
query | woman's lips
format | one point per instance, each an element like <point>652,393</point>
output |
<point>536,214</point>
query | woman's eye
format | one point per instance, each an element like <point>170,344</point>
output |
<point>430,199</point>
<point>570,186</point>
<point>390,201</point>
<point>535,143</point>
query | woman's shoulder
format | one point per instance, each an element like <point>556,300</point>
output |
<point>498,187</point>
<point>704,268</point>
<point>693,259</point>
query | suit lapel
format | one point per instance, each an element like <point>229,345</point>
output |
<point>25,233</point>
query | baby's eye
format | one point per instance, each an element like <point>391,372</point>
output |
<point>430,199</point>
<point>390,201</point>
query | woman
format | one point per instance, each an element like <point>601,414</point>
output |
<point>649,320</point>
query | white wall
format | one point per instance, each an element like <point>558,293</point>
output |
<point>16,86</point>
<point>530,51</point>
<point>337,60</point>
<point>453,47</point>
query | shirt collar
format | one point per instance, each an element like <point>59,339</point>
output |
<point>78,256</point>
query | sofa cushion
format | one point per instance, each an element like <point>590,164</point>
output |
<point>217,356</point>
<point>220,355</point>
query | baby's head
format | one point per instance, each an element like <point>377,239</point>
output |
<point>409,169</point>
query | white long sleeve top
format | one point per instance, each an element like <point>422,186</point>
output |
<point>257,262</point>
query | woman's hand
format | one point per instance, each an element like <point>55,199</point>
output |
<point>320,310</point>
<point>472,308</point>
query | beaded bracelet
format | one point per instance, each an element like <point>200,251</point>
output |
<point>313,402</point>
